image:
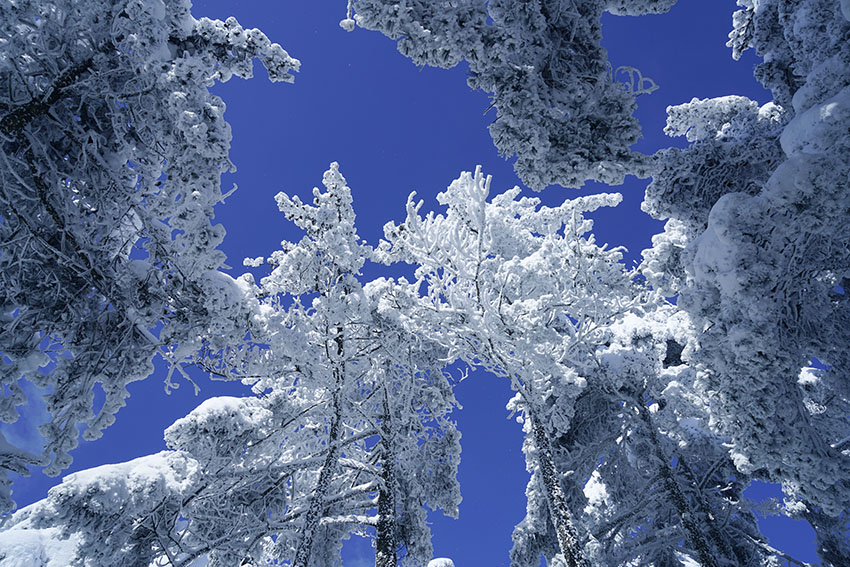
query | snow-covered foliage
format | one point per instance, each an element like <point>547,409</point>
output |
<point>644,421</point>
<point>111,151</point>
<point>754,250</point>
<point>735,148</point>
<point>666,489</point>
<point>196,500</point>
<point>520,290</point>
<point>109,515</point>
<point>349,432</point>
<point>385,395</point>
<point>559,108</point>
<point>22,547</point>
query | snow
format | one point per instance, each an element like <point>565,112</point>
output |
<point>142,481</point>
<point>686,560</point>
<point>706,118</point>
<point>808,376</point>
<point>818,129</point>
<point>441,562</point>
<point>595,491</point>
<point>216,420</point>
<point>23,547</point>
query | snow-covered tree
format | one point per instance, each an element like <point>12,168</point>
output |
<point>349,432</point>
<point>602,388</point>
<point>111,151</point>
<point>643,421</point>
<point>754,251</point>
<point>519,290</point>
<point>385,381</point>
<point>230,481</point>
<point>561,107</point>
<point>665,490</point>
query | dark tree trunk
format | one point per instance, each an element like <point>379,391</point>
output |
<point>386,543</point>
<point>720,542</point>
<point>326,474</point>
<point>695,535</point>
<point>562,519</point>
<point>317,504</point>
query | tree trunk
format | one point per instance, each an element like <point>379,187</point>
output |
<point>385,543</point>
<point>695,535</point>
<point>317,504</point>
<point>714,534</point>
<point>558,511</point>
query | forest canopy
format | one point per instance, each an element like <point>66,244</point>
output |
<point>649,397</point>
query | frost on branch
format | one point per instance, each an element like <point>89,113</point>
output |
<point>111,150</point>
<point>558,108</point>
<point>663,485</point>
<point>524,292</point>
<point>794,40</point>
<point>638,7</point>
<point>753,252</point>
<point>349,432</point>
<point>735,148</point>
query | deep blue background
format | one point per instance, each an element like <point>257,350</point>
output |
<point>395,128</point>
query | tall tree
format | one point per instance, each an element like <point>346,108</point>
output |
<point>596,361</point>
<point>665,489</point>
<point>111,151</point>
<point>752,251</point>
<point>385,382</point>
<point>517,289</point>
<point>349,433</point>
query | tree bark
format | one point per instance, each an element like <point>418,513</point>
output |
<point>317,504</point>
<point>695,535</point>
<point>385,543</point>
<point>562,519</point>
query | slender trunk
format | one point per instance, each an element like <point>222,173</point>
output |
<point>317,504</point>
<point>385,543</point>
<point>695,535</point>
<point>326,474</point>
<point>562,519</point>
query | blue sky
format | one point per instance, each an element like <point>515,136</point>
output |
<point>395,128</point>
